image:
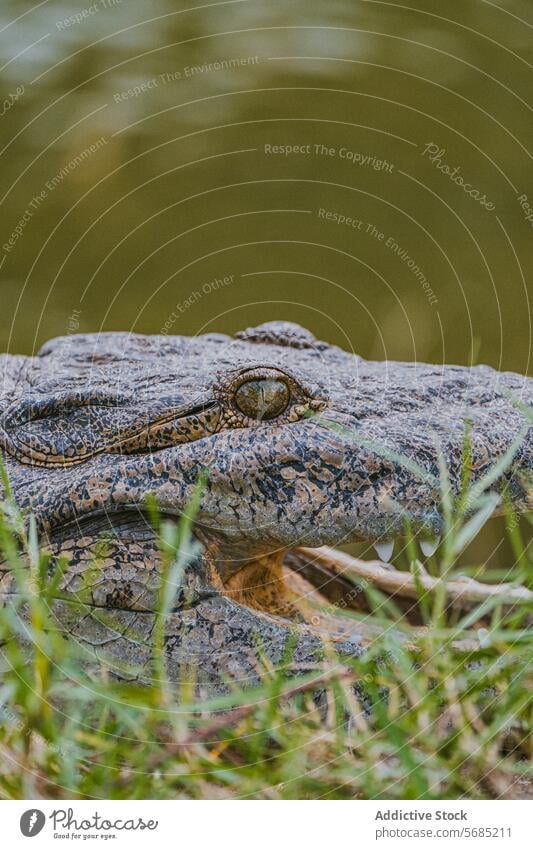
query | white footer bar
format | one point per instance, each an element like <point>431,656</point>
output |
<point>268,825</point>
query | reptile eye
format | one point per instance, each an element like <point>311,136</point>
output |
<point>262,399</point>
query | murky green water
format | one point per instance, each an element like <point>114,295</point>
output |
<point>158,148</point>
<point>353,166</point>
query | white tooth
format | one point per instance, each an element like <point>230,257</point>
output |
<point>384,550</point>
<point>429,547</point>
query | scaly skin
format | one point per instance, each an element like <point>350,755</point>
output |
<point>309,453</point>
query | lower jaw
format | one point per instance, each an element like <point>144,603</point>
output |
<point>276,582</point>
<point>114,564</point>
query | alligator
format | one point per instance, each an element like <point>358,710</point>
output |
<point>298,445</point>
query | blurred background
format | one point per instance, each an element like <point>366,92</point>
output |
<point>358,166</point>
<point>311,152</point>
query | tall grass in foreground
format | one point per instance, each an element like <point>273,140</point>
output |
<point>449,718</point>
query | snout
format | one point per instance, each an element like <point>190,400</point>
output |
<point>396,468</point>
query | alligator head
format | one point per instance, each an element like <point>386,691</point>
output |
<point>302,444</point>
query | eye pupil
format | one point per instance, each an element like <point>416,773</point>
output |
<point>262,399</point>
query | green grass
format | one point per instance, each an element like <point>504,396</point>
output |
<point>446,718</point>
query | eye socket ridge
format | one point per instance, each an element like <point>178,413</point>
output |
<point>261,393</point>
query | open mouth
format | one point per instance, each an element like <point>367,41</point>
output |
<point>317,585</point>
